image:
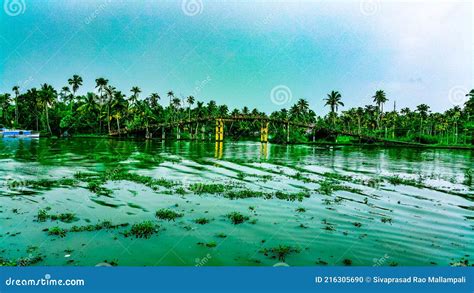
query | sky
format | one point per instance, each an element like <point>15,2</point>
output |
<point>263,54</point>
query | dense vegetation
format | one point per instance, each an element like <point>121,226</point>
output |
<point>107,110</point>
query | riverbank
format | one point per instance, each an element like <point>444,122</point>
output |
<point>393,144</point>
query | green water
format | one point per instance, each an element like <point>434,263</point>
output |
<point>363,218</point>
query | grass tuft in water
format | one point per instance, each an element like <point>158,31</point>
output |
<point>202,221</point>
<point>280,252</point>
<point>57,231</point>
<point>143,230</point>
<point>167,214</point>
<point>237,218</point>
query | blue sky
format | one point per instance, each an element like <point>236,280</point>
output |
<point>237,52</point>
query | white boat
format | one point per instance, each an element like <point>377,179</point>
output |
<point>18,133</point>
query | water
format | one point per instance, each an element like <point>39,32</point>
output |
<point>368,222</point>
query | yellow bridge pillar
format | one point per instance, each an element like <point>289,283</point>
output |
<point>264,132</point>
<point>219,129</point>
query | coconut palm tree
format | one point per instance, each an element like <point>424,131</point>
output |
<point>423,110</point>
<point>380,99</point>
<point>16,91</point>
<point>75,82</point>
<point>333,100</point>
<point>109,94</point>
<point>171,96</point>
<point>154,98</point>
<point>190,100</point>
<point>135,94</point>
<point>48,97</point>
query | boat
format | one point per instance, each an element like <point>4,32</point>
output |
<point>18,133</point>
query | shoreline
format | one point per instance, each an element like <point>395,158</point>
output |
<point>322,144</point>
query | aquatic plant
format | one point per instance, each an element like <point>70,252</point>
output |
<point>42,215</point>
<point>143,230</point>
<point>347,262</point>
<point>237,218</point>
<point>200,188</point>
<point>57,231</point>
<point>326,187</point>
<point>64,217</point>
<point>468,177</point>
<point>300,210</point>
<point>167,214</point>
<point>202,221</point>
<point>221,235</point>
<point>386,220</point>
<point>280,252</point>
<point>99,226</point>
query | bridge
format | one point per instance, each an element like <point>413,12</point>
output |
<point>262,120</point>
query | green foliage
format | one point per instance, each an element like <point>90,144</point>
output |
<point>237,218</point>
<point>167,214</point>
<point>143,230</point>
<point>280,252</point>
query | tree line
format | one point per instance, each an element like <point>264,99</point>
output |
<point>106,110</point>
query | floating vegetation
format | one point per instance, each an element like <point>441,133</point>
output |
<point>201,188</point>
<point>386,220</point>
<point>468,176</point>
<point>202,221</point>
<point>143,230</point>
<point>357,224</point>
<point>99,226</point>
<point>347,262</point>
<point>167,214</point>
<point>221,235</point>
<point>211,244</point>
<point>280,252</point>
<point>22,262</point>
<point>237,218</point>
<point>300,210</point>
<point>57,231</point>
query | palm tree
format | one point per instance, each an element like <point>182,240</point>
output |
<point>154,98</point>
<point>380,99</point>
<point>190,100</point>
<point>171,96</point>
<point>119,105</point>
<point>75,82</point>
<point>109,93</point>
<point>423,111</point>
<point>334,101</point>
<point>135,93</point>
<point>48,96</point>
<point>16,91</point>
<point>101,84</point>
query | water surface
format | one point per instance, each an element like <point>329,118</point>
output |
<point>379,206</point>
